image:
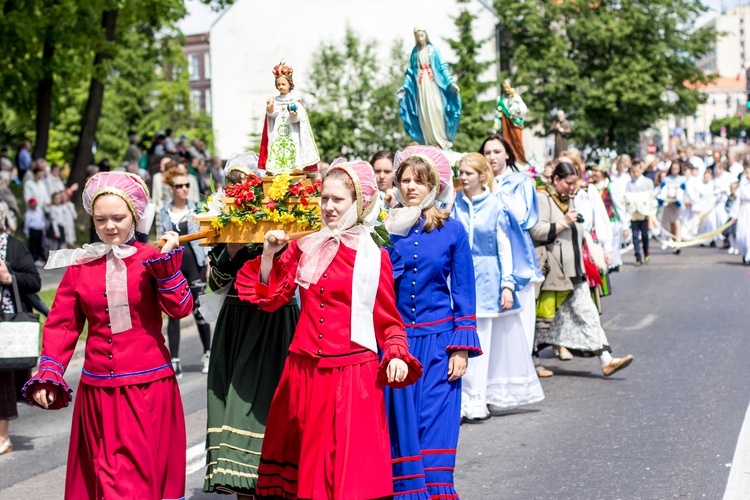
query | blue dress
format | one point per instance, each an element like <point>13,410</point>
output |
<point>519,195</point>
<point>435,295</point>
<point>409,103</point>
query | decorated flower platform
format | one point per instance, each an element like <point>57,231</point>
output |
<point>245,212</point>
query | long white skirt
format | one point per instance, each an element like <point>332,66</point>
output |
<point>715,218</point>
<point>743,232</point>
<point>617,228</point>
<point>503,377</point>
<point>527,298</point>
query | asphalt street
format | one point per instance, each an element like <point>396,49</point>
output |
<point>666,427</point>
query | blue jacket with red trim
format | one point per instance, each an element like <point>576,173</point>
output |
<point>435,291</point>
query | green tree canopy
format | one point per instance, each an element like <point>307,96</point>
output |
<point>65,63</point>
<point>353,107</point>
<point>734,126</point>
<point>614,66</point>
<point>476,115</point>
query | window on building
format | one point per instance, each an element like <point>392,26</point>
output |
<point>208,101</point>
<point>195,100</point>
<point>713,102</point>
<point>206,66</point>
<point>194,67</point>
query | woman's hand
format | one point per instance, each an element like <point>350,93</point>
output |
<point>274,241</point>
<point>44,398</point>
<point>397,370</point>
<point>608,259</point>
<point>571,217</point>
<point>506,299</point>
<point>457,365</point>
<point>269,105</point>
<point>171,241</point>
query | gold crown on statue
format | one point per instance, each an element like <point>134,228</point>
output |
<point>282,69</point>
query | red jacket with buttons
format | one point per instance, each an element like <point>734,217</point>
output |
<point>135,356</point>
<point>324,327</point>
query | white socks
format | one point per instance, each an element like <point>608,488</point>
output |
<point>605,358</point>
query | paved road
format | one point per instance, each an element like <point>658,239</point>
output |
<point>666,427</point>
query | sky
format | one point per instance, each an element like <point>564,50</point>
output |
<point>200,17</point>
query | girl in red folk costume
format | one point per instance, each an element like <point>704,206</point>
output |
<point>128,433</point>
<point>327,433</point>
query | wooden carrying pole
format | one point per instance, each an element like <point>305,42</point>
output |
<point>185,238</point>
<point>210,233</point>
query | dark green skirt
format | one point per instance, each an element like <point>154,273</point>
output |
<point>248,353</point>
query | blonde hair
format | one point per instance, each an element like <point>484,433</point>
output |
<point>571,157</point>
<point>479,163</point>
<point>434,217</point>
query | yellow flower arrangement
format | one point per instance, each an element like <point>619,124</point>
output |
<point>280,187</point>
<point>286,201</point>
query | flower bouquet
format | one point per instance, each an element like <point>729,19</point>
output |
<point>245,212</point>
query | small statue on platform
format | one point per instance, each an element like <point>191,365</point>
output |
<point>509,118</point>
<point>561,130</point>
<point>429,99</point>
<point>288,143</point>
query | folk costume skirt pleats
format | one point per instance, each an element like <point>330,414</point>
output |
<point>248,353</point>
<point>424,422</point>
<point>127,442</point>
<point>327,435</point>
<point>576,325</point>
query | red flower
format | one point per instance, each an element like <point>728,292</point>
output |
<point>310,189</point>
<point>304,201</point>
<point>271,205</point>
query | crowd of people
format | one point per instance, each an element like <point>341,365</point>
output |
<point>338,368</point>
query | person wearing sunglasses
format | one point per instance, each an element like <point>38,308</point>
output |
<point>175,216</point>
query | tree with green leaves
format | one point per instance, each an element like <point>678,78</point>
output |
<point>353,108</point>
<point>476,116</point>
<point>614,66</point>
<point>65,64</point>
<point>734,126</point>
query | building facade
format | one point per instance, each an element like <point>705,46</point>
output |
<point>730,54</point>
<point>198,55</point>
<point>724,97</point>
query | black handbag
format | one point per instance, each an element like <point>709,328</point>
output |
<point>19,336</point>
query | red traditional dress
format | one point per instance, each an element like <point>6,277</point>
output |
<point>128,433</point>
<point>327,432</point>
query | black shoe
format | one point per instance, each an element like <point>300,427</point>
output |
<point>615,269</point>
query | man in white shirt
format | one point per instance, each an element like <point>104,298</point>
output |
<point>639,204</point>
